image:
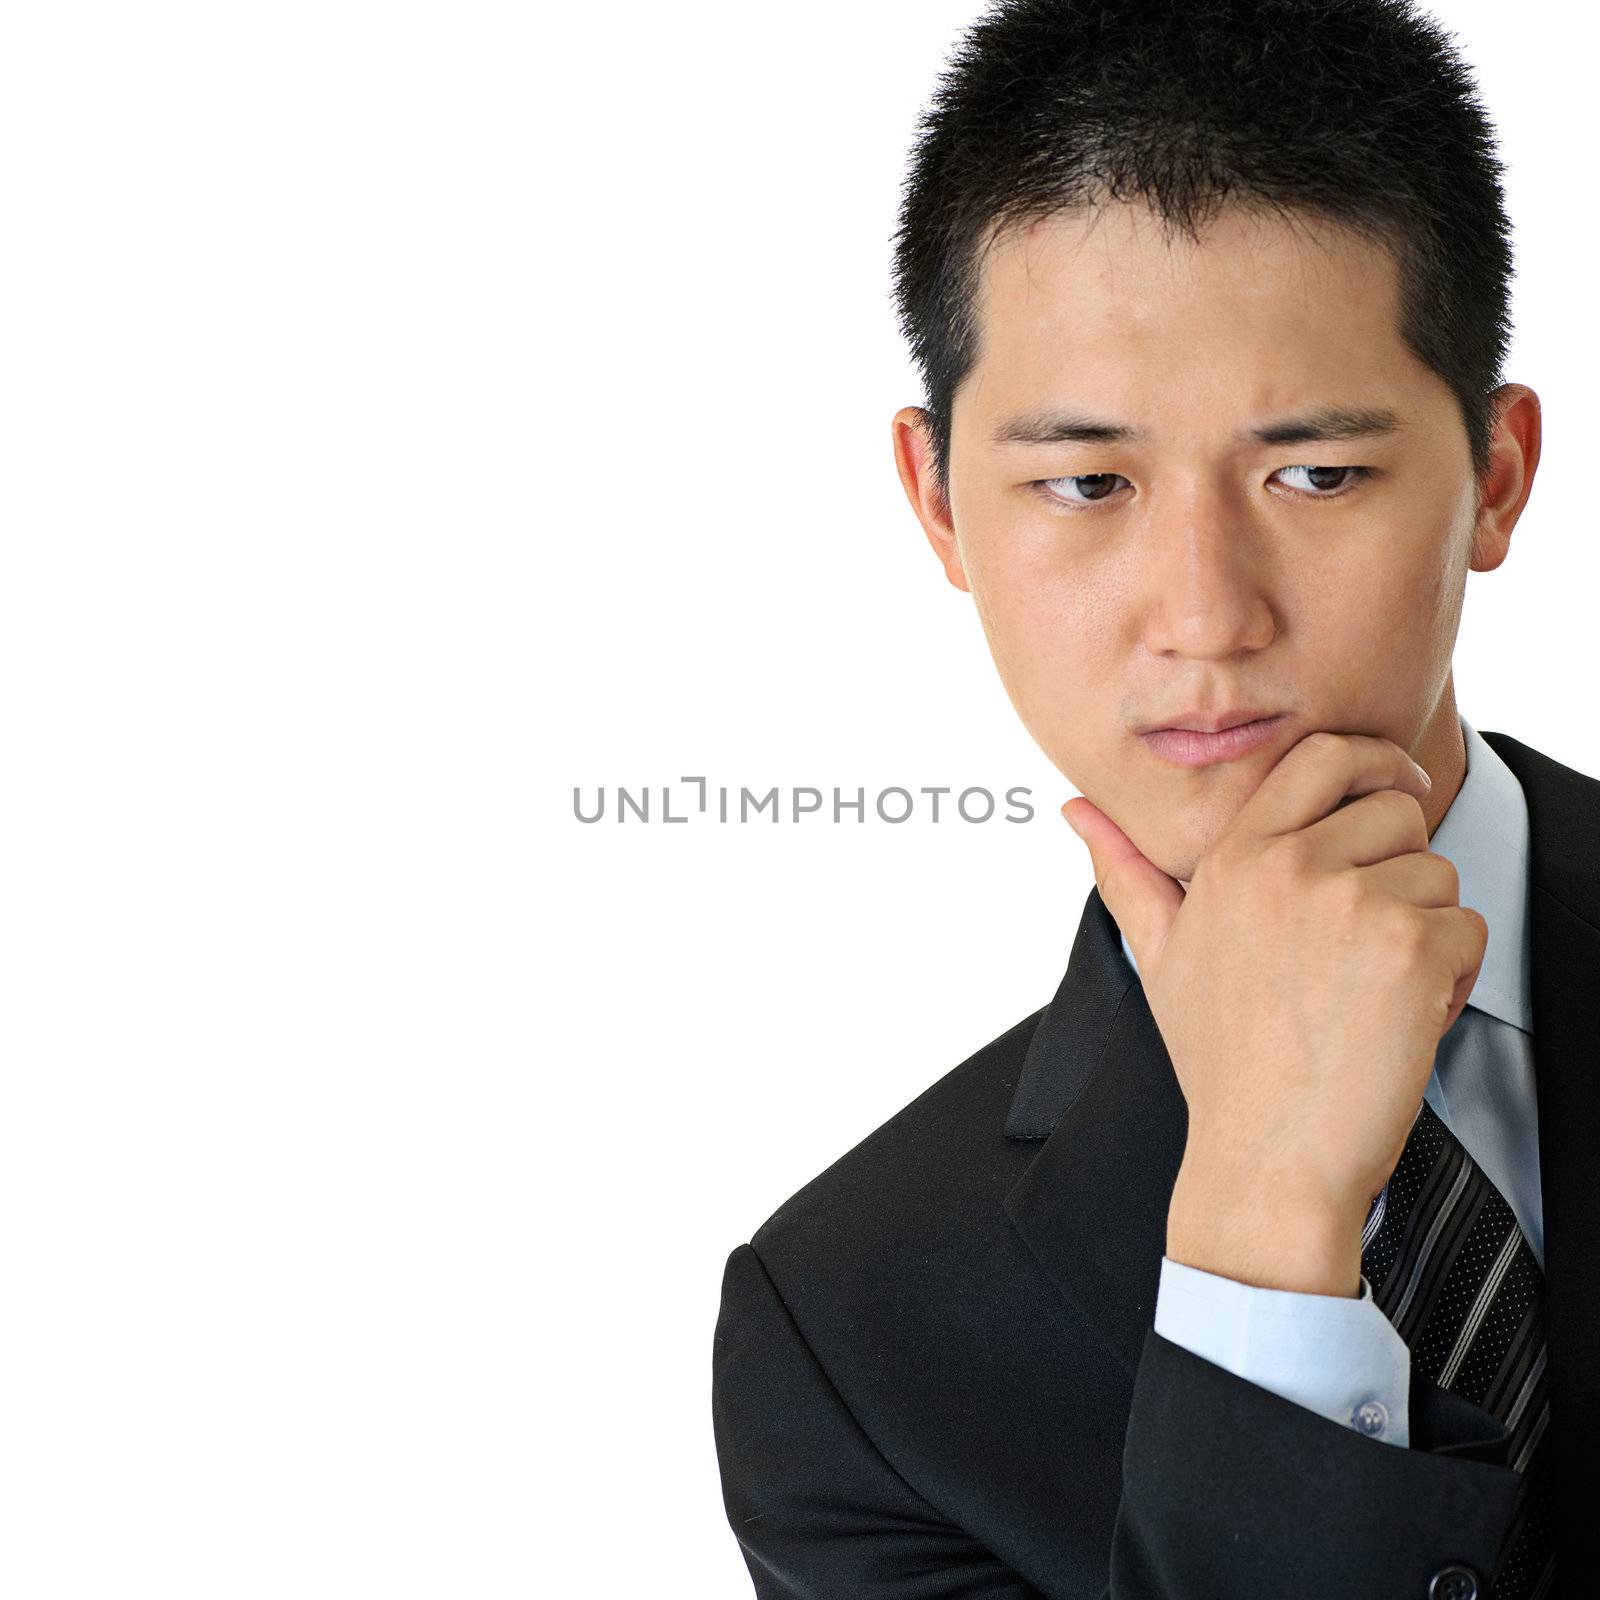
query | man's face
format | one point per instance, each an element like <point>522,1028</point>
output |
<point>1125,584</point>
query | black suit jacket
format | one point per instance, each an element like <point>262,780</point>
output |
<point>936,1373</point>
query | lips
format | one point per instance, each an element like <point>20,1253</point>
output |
<point>1202,747</point>
<point>1212,721</point>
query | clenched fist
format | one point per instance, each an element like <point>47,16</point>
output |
<point>1301,987</point>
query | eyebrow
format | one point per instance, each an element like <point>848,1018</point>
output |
<point>1329,422</point>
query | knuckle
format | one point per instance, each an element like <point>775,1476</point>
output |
<point>1449,878</point>
<point>1297,852</point>
<point>1403,936</point>
<point>1346,897</point>
<point>1324,745</point>
<point>1440,1006</point>
<point>1404,807</point>
<point>1286,864</point>
<point>1402,812</point>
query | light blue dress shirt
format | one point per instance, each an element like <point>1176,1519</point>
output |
<point>1339,1356</point>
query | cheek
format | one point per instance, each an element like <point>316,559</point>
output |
<point>1036,584</point>
<point>1043,631</point>
<point>1401,611</point>
<point>1441,587</point>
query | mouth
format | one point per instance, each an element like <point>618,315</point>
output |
<point>1202,747</point>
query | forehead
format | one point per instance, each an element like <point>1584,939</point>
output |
<point>1259,312</point>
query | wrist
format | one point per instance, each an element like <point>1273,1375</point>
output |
<point>1263,1235</point>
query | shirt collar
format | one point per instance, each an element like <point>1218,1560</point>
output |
<point>1484,835</point>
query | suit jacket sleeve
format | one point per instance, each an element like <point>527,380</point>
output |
<point>1230,1489</point>
<point>1227,1488</point>
<point>818,1512</point>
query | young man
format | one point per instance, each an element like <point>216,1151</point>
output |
<point>1260,1261</point>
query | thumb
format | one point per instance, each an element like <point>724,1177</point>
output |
<point>1138,894</point>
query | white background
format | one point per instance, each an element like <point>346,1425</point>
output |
<point>411,413</point>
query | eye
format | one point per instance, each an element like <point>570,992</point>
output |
<point>1085,489</point>
<point>1082,490</point>
<point>1321,488</point>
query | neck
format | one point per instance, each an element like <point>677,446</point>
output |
<point>1441,752</point>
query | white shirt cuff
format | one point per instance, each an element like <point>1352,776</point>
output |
<point>1339,1356</point>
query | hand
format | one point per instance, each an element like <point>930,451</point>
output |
<point>1301,987</point>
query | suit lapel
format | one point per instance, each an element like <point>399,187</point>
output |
<point>1098,1089</point>
<point>1097,1086</point>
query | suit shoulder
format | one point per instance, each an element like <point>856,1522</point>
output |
<point>909,1170</point>
<point>1563,813</point>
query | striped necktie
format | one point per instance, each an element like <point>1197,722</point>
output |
<point>1449,1267</point>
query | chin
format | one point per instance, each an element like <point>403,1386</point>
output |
<point>1179,867</point>
<point>1177,857</point>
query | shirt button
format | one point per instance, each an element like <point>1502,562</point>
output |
<point>1454,1583</point>
<point>1370,1418</point>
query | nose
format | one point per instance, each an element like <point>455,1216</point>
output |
<point>1206,578</point>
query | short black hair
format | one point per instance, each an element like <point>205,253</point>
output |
<point>1354,111</point>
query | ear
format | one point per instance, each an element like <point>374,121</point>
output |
<point>913,456</point>
<point>1504,489</point>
